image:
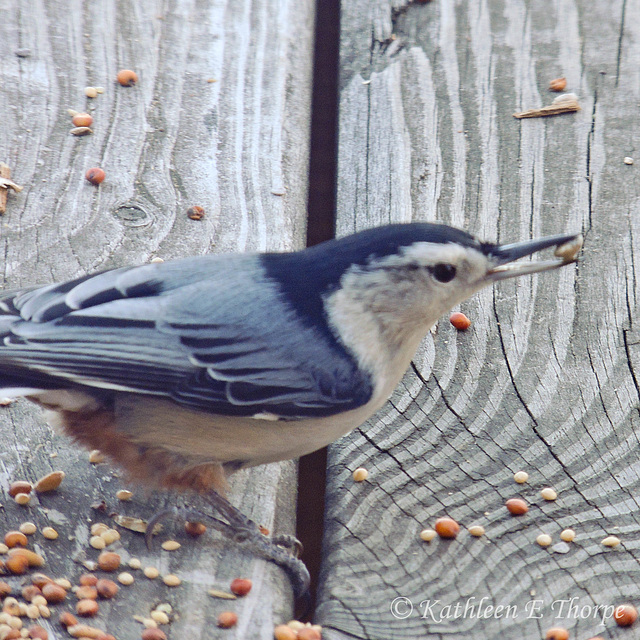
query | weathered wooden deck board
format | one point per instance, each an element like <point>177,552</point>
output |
<point>546,380</point>
<point>219,118</point>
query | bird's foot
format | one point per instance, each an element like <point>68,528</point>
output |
<point>283,550</point>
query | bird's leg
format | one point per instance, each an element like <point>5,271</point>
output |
<point>244,531</point>
<point>191,515</point>
<point>277,549</point>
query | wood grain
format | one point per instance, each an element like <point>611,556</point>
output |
<point>546,380</point>
<point>220,119</point>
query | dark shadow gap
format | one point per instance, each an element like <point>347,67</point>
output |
<point>321,209</point>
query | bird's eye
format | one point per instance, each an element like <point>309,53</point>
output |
<point>443,272</point>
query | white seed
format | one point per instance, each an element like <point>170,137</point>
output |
<point>521,477</point>
<point>3,548</point>
<point>166,607</point>
<point>72,112</point>
<point>32,611</point>
<point>90,92</point>
<point>360,474</point>
<point>628,160</point>
<point>64,583</point>
<point>97,528</point>
<point>80,131</point>
<point>568,535</point>
<point>49,533</point>
<point>22,499</point>
<point>15,622</point>
<point>548,494</point>
<point>28,528</point>
<point>170,545</point>
<point>96,456</point>
<point>160,617</point>
<point>125,578</point>
<point>97,542</point>
<point>134,563</point>
<point>428,535</point>
<point>110,536</point>
<point>39,600</point>
<point>124,495</point>
<point>476,530</point>
<point>544,540</point>
<point>611,541</point>
<point>45,612</point>
<point>171,580</point>
<point>151,572</point>
<point>156,260</point>
<point>100,89</point>
<point>149,623</point>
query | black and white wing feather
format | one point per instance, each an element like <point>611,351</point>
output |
<point>200,331</point>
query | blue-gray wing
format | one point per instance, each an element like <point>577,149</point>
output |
<point>213,333</point>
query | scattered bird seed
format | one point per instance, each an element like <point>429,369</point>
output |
<point>360,474</point>
<point>569,250</point>
<point>284,632</point>
<point>625,615</point>
<point>516,506</point>
<point>22,499</point>
<point>241,586</point>
<point>124,495</point>
<point>171,545</point>
<point>628,160</point>
<point>476,530</point>
<point>521,477</point>
<point>15,539</point>
<point>171,580</point>
<point>28,528</point>
<point>151,572</point>
<point>19,486</point>
<point>82,120</point>
<point>611,541</point>
<point>50,533</point>
<point>134,563</point>
<point>227,619</point>
<point>110,536</point>
<point>127,78</point>
<point>96,456</point>
<point>153,634</point>
<point>195,212</point>
<point>447,528</point>
<point>565,103</point>
<point>90,92</point>
<point>98,528</point>
<point>160,617</point>
<point>549,494</point>
<point>97,542</point>
<point>80,131</point>
<point>558,84</point>
<point>459,321</point>
<point>428,535</point>
<point>50,482</point>
<point>108,561</point>
<point>216,593</point>
<point>544,540</point>
<point>568,535</point>
<point>125,578</point>
<point>95,176</point>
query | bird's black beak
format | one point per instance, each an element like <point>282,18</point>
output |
<point>504,256</point>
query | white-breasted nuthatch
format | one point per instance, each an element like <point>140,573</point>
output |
<point>186,371</point>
